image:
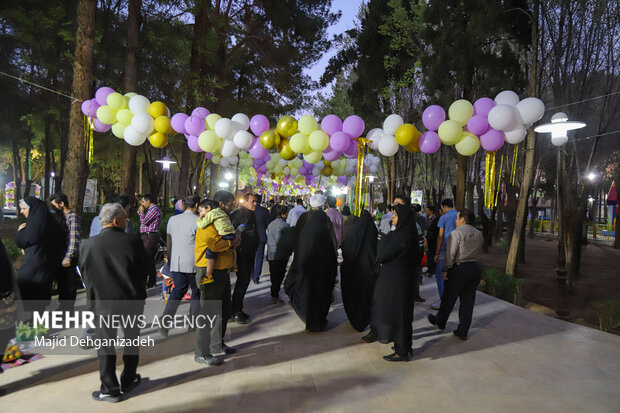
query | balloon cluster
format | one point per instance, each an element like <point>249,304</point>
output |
<point>395,132</point>
<point>131,117</point>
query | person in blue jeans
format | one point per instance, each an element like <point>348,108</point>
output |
<point>446,224</point>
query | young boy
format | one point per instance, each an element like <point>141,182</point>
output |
<point>211,213</point>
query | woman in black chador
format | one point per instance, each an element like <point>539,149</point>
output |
<point>312,275</point>
<point>392,309</point>
<point>357,272</point>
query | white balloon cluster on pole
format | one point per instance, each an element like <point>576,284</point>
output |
<point>383,139</point>
<point>514,117</point>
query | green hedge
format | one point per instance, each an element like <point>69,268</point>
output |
<point>501,285</point>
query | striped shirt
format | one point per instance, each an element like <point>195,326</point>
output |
<point>73,225</point>
<point>149,220</point>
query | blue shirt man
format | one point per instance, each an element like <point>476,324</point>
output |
<point>446,224</point>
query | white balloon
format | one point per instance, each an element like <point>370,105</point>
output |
<point>516,135</point>
<point>242,119</point>
<point>392,123</point>
<point>320,165</point>
<point>316,172</point>
<point>143,123</point>
<point>243,139</point>
<point>503,117</point>
<point>224,163</point>
<point>133,137</point>
<point>286,170</point>
<point>224,128</point>
<point>229,149</point>
<point>139,104</point>
<point>373,169</point>
<point>388,146</point>
<point>507,97</point>
<point>531,110</point>
<point>373,136</point>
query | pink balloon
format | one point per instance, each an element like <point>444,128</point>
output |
<point>98,126</point>
<point>192,142</point>
<point>433,116</point>
<point>259,124</point>
<point>351,151</point>
<point>178,122</point>
<point>101,95</point>
<point>332,155</point>
<point>483,106</point>
<point>429,142</point>
<point>195,125</point>
<point>478,124</point>
<point>492,140</point>
<point>331,124</point>
<point>339,142</point>
<point>354,126</point>
<point>201,112</point>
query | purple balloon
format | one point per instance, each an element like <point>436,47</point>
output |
<point>257,151</point>
<point>208,155</point>
<point>85,106</point>
<point>192,142</point>
<point>339,142</point>
<point>98,126</point>
<point>331,124</point>
<point>492,140</point>
<point>101,95</point>
<point>195,125</point>
<point>482,106</point>
<point>354,126</point>
<point>259,124</point>
<point>302,170</point>
<point>429,142</point>
<point>201,112</point>
<point>433,116</point>
<point>178,122</point>
<point>478,124</point>
<point>332,155</point>
<point>342,180</point>
<point>89,108</point>
<point>351,151</point>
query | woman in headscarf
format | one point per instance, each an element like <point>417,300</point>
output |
<point>392,309</point>
<point>312,275</point>
<point>44,243</point>
<point>357,271</point>
<point>179,207</point>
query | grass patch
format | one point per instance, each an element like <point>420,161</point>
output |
<point>607,313</point>
<point>501,285</point>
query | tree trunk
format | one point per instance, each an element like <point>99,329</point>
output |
<point>77,162</point>
<point>17,173</point>
<point>128,179</point>
<point>28,166</point>
<point>461,176</point>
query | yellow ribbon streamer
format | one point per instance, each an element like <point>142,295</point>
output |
<point>359,181</point>
<point>88,138</point>
<point>513,171</point>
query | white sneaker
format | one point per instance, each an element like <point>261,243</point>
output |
<point>436,305</point>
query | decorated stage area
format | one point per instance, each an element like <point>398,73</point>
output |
<point>515,360</point>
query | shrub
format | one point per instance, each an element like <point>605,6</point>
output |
<point>12,249</point>
<point>501,285</point>
<point>607,314</point>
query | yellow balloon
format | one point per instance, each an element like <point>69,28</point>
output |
<point>450,132</point>
<point>327,163</point>
<point>461,111</point>
<point>162,124</point>
<point>313,157</point>
<point>158,140</point>
<point>307,124</point>
<point>116,100</point>
<point>299,142</point>
<point>106,115</point>
<point>405,134</point>
<point>208,141</point>
<point>285,151</point>
<point>211,120</point>
<point>318,140</point>
<point>124,116</point>
<point>270,139</point>
<point>157,109</point>
<point>327,171</point>
<point>414,146</point>
<point>118,129</point>
<point>468,145</point>
<point>287,126</point>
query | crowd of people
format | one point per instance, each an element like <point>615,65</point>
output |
<point>381,269</point>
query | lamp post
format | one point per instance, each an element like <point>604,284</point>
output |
<point>559,127</point>
<point>371,179</point>
<point>165,164</point>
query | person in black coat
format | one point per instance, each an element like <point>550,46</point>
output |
<point>44,243</point>
<point>116,270</point>
<point>393,299</point>
<point>357,272</point>
<point>246,254</point>
<point>262,221</point>
<point>9,298</point>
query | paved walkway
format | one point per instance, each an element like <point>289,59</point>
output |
<point>515,361</point>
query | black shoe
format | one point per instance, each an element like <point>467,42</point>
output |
<point>241,318</point>
<point>369,338</point>
<point>459,335</point>
<point>432,318</point>
<point>209,360</point>
<point>106,397</point>
<point>256,281</point>
<point>228,349</point>
<point>163,332</point>
<point>420,300</point>
<point>131,385</point>
<point>396,357</point>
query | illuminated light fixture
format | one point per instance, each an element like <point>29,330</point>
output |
<point>559,127</point>
<point>228,176</point>
<point>165,162</point>
<point>223,185</point>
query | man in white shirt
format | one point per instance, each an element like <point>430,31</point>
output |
<point>295,213</point>
<point>386,221</point>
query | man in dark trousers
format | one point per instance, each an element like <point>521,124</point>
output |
<point>246,253</point>
<point>262,221</point>
<point>116,271</point>
<point>461,273</point>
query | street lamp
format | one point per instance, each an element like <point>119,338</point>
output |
<point>165,164</point>
<point>591,176</point>
<point>559,127</point>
